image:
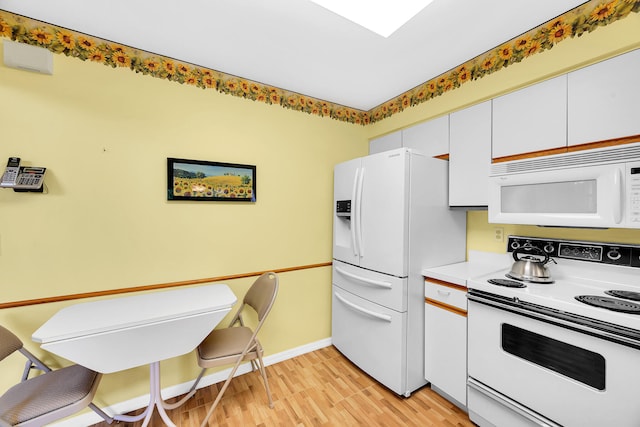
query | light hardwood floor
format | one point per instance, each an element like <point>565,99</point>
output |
<point>321,388</point>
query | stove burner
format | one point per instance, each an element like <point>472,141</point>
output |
<point>630,295</point>
<point>610,303</point>
<point>507,283</point>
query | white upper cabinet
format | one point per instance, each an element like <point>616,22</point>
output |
<point>470,155</point>
<point>531,119</point>
<point>386,142</point>
<point>603,100</point>
<point>430,138</point>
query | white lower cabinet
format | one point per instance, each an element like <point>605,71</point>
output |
<point>445,361</point>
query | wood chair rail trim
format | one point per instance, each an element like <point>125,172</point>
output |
<point>109,292</point>
<point>449,308</point>
<point>444,283</point>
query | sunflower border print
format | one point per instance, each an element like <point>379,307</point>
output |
<point>202,180</point>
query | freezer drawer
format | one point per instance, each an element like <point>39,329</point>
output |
<point>372,337</point>
<point>379,288</point>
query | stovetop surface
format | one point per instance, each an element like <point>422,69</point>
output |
<point>579,268</point>
<point>571,279</point>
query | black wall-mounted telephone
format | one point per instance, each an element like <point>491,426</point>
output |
<point>22,178</point>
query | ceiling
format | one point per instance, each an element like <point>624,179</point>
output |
<point>299,46</point>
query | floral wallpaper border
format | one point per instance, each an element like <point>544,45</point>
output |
<point>574,23</point>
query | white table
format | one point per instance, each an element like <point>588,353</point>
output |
<point>120,333</point>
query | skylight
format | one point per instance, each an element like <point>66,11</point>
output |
<point>383,17</point>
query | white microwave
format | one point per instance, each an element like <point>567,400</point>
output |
<point>597,188</point>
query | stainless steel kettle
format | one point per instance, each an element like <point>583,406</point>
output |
<point>528,267</point>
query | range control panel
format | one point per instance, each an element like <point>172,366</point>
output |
<point>605,253</point>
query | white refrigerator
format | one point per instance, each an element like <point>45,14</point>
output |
<point>391,220</point>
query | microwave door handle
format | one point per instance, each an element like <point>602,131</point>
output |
<point>354,211</point>
<point>617,195</point>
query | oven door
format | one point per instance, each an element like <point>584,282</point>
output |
<point>547,372</point>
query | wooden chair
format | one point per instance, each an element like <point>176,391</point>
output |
<point>235,344</point>
<point>48,397</point>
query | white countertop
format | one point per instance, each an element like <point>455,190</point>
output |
<point>479,263</point>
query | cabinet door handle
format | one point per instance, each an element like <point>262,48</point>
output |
<point>444,293</point>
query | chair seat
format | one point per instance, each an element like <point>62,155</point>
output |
<point>225,343</point>
<point>46,393</point>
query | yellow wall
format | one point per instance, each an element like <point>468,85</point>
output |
<point>104,135</point>
<point>481,234</point>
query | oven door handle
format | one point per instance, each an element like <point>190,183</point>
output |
<point>577,323</point>
<point>525,412</point>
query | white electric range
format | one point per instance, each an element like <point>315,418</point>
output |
<point>543,354</point>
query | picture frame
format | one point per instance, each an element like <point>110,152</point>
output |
<point>201,180</point>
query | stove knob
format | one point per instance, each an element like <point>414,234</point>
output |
<point>613,254</point>
<point>515,245</point>
<point>548,248</point>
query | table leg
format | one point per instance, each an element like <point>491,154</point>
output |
<point>155,400</point>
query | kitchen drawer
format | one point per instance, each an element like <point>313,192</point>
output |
<point>388,291</point>
<point>371,336</point>
<point>446,293</point>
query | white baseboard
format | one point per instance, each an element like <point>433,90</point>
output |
<point>90,418</point>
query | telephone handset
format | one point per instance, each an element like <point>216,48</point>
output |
<point>22,178</point>
<point>10,175</point>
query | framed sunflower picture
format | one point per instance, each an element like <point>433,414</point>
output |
<point>210,181</point>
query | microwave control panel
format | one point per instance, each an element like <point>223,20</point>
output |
<point>633,194</point>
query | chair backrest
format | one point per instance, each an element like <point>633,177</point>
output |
<point>8,342</point>
<point>262,294</point>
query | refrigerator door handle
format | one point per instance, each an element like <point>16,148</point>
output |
<point>363,310</point>
<point>379,283</point>
<point>359,212</point>
<point>354,214</point>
